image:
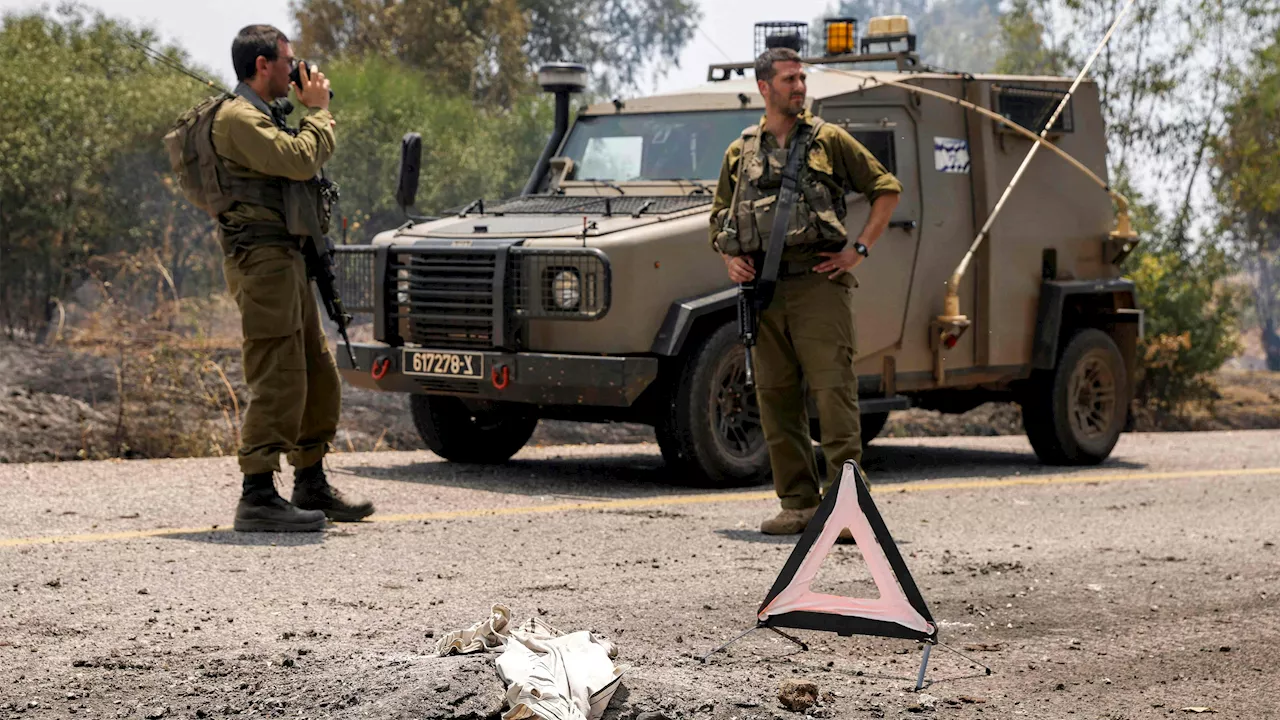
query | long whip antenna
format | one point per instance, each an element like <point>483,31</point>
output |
<point>174,65</point>
<point>954,282</point>
<point>1123,231</point>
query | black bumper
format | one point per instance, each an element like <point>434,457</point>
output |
<point>535,378</point>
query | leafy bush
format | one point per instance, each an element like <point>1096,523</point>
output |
<point>1192,320</point>
<point>468,152</point>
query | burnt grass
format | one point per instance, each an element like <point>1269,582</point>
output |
<point>184,398</point>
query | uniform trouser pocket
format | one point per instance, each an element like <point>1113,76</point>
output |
<point>268,284</point>
<point>821,317</point>
<point>807,336</point>
<point>283,357</point>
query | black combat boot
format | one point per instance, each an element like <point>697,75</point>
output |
<point>311,490</point>
<point>261,509</point>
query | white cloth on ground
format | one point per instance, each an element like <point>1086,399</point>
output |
<point>548,674</point>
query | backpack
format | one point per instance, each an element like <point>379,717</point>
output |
<point>192,157</point>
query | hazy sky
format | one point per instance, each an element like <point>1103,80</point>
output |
<point>206,29</point>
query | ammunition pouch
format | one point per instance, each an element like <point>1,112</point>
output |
<point>817,218</point>
<point>307,210</point>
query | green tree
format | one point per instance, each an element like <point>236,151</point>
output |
<point>82,170</point>
<point>1192,312</point>
<point>487,49</point>
<point>472,47</point>
<point>617,39</point>
<point>1023,41</point>
<point>468,152</point>
<point>1247,161</point>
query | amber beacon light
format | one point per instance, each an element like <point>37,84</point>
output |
<point>840,35</point>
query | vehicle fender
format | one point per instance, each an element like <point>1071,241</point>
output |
<point>684,314</point>
<point>1065,305</point>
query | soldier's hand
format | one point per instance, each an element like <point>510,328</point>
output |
<point>838,262</point>
<point>741,269</point>
<point>314,92</point>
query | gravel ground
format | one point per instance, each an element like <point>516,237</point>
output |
<point>1133,590</point>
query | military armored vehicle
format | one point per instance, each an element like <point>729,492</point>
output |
<point>594,294</point>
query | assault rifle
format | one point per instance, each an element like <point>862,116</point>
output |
<point>318,253</point>
<point>317,249</point>
<point>749,307</point>
<point>754,296</point>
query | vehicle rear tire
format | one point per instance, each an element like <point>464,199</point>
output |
<point>710,432</point>
<point>872,425</point>
<point>470,432</point>
<point>1074,414</point>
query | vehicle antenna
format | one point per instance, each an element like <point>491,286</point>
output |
<point>174,65</point>
<point>1123,231</point>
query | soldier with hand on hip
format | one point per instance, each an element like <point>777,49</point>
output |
<point>806,331</point>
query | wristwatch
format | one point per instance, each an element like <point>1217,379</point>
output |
<point>860,249</point>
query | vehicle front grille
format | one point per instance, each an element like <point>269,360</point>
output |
<point>355,266</point>
<point>447,298</point>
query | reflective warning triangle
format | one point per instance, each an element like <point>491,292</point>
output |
<point>899,612</point>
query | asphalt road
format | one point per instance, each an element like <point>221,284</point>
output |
<point>1137,589</point>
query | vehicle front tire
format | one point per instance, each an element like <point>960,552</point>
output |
<point>1074,414</point>
<point>483,433</point>
<point>710,433</point>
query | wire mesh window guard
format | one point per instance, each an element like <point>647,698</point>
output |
<point>1031,107</point>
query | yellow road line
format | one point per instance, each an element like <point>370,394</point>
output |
<point>696,499</point>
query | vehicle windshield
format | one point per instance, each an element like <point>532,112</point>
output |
<point>654,146</point>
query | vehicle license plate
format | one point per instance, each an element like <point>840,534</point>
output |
<point>437,363</point>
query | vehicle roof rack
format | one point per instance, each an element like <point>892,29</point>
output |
<point>906,62</point>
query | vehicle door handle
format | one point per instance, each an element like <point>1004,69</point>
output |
<point>904,224</point>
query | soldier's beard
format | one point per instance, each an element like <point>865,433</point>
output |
<point>790,106</point>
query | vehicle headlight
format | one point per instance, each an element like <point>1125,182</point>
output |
<point>402,286</point>
<point>566,289</point>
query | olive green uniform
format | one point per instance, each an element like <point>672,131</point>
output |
<point>294,388</point>
<point>806,334</point>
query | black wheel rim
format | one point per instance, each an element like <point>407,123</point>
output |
<point>1092,397</point>
<point>735,414</point>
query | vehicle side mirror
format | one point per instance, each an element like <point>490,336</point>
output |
<point>410,167</point>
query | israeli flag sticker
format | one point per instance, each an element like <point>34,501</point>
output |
<point>951,155</point>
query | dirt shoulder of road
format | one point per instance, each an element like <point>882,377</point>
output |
<point>184,398</point>
<point>1131,591</point>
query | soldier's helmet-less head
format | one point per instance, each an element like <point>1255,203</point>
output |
<point>781,79</point>
<point>264,49</point>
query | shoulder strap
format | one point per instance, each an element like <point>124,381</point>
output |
<point>782,214</point>
<point>750,145</point>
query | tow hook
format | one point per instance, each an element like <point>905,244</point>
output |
<point>500,379</point>
<point>381,365</point>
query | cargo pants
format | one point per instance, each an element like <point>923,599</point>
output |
<point>806,336</point>
<point>295,392</point>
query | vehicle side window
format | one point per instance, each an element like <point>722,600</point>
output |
<point>880,143</point>
<point>1031,107</point>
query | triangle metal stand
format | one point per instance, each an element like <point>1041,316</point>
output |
<point>924,663</point>
<point>758,626</point>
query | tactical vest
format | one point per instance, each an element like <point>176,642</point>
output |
<point>817,218</point>
<point>202,175</point>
